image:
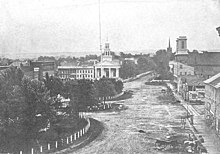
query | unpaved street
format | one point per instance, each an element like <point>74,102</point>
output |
<point>145,112</point>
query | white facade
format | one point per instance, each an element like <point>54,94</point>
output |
<point>212,103</point>
<point>180,69</point>
<point>108,67</point>
<point>76,72</point>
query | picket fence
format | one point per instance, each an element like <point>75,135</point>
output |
<point>110,97</point>
<point>63,142</point>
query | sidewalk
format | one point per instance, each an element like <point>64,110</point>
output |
<point>212,141</point>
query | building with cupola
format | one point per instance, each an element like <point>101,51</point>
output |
<point>108,67</point>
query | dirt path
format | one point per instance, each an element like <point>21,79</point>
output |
<point>145,112</point>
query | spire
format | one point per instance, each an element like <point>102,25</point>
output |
<point>169,49</point>
<point>169,43</point>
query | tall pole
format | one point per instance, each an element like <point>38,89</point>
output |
<point>100,35</point>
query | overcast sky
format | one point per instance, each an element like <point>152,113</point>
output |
<point>45,26</point>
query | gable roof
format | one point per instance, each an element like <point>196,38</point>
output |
<point>214,81</point>
<point>108,63</point>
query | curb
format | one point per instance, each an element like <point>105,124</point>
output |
<point>93,134</point>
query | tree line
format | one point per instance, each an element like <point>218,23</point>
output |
<point>28,106</point>
<point>159,62</point>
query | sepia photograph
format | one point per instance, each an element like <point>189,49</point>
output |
<point>109,76</point>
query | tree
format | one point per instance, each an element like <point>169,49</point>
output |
<point>128,69</point>
<point>87,94</point>
<point>71,90</point>
<point>145,64</point>
<point>11,101</point>
<point>38,113</point>
<point>105,88</point>
<point>162,61</point>
<point>54,84</point>
<point>119,86</point>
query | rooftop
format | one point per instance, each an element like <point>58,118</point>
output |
<point>205,58</point>
<point>77,67</point>
<point>214,81</point>
<point>194,80</point>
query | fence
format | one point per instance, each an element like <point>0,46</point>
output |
<point>62,143</point>
<point>110,97</point>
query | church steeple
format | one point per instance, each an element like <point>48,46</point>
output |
<point>169,49</point>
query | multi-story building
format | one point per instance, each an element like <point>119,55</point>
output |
<point>206,63</point>
<point>107,67</point>
<point>212,101</point>
<point>179,69</point>
<point>76,72</point>
<point>38,69</point>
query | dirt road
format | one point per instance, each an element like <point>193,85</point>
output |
<point>145,112</point>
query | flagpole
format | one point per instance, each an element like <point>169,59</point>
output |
<point>100,35</point>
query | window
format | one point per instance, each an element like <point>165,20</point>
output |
<point>182,44</point>
<point>185,73</point>
<point>181,66</point>
<point>180,73</point>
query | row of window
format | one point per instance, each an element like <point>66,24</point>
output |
<point>74,71</point>
<point>77,76</point>
<point>185,73</point>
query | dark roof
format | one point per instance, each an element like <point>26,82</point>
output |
<point>204,59</point>
<point>214,81</point>
<point>193,80</point>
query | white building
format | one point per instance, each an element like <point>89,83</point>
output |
<point>179,69</point>
<point>212,103</point>
<point>108,67</point>
<point>76,72</point>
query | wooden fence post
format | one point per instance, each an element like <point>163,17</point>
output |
<point>41,148</point>
<point>71,138</point>
<point>32,151</point>
<point>48,146</point>
<point>62,141</point>
<point>56,144</point>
